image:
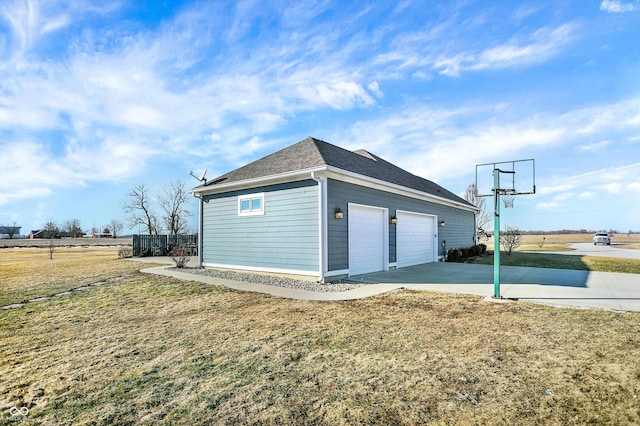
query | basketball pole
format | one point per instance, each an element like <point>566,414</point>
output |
<point>496,233</point>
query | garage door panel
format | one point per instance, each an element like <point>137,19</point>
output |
<point>415,239</point>
<point>366,239</point>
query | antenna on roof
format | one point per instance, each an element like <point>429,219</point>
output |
<point>202,178</point>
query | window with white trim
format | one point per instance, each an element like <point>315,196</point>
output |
<point>251,204</point>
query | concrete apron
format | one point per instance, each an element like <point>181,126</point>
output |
<point>559,287</point>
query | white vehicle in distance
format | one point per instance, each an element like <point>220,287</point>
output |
<point>601,238</point>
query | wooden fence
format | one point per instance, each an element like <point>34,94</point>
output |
<point>161,245</point>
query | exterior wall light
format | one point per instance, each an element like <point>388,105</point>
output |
<point>394,219</point>
<point>338,213</point>
<point>442,224</point>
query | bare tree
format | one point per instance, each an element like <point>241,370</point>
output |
<point>52,248</point>
<point>51,230</point>
<point>139,209</point>
<point>12,230</point>
<point>72,228</point>
<point>116,227</point>
<point>510,239</point>
<point>173,203</point>
<point>484,216</point>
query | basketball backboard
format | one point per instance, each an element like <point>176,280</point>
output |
<point>516,177</point>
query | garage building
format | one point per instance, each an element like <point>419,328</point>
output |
<point>319,210</point>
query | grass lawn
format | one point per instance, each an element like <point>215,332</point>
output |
<point>561,261</point>
<point>28,272</point>
<point>152,350</point>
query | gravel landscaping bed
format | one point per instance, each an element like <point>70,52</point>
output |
<point>276,281</point>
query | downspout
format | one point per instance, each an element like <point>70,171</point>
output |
<point>322,215</point>
<point>200,226</point>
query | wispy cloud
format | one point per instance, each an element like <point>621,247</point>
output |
<point>612,180</point>
<point>597,146</point>
<point>125,97</point>
<point>538,47</point>
<point>444,142</point>
<point>30,21</point>
<point>547,205</point>
<point>587,195</point>
<point>614,6</point>
<point>603,190</point>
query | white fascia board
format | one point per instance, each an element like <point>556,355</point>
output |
<point>261,181</point>
<point>358,179</point>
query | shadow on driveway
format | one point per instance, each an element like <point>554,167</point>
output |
<point>465,273</point>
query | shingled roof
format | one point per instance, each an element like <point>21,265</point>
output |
<point>313,153</point>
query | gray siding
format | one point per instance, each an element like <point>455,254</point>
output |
<point>285,237</point>
<point>458,232</point>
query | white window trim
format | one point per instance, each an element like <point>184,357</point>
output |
<point>250,197</point>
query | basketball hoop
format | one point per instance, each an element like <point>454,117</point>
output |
<point>508,201</point>
<point>488,184</point>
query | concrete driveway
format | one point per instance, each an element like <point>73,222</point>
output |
<point>558,287</point>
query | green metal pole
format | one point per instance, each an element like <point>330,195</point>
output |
<point>496,234</point>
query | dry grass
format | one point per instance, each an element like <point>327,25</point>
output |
<point>28,273</point>
<point>560,261</point>
<point>612,264</point>
<point>65,242</point>
<point>578,238</point>
<point>545,247</point>
<point>561,242</point>
<point>151,350</point>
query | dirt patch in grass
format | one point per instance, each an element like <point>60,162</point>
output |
<point>153,350</point>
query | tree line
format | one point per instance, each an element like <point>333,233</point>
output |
<point>72,229</point>
<point>141,209</point>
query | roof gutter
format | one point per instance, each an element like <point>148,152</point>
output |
<point>200,229</point>
<point>322,223</point>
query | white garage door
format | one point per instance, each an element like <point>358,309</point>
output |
<point>415,239</point>
<point>367,239</point>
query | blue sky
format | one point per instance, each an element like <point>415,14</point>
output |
<point>97,97</point>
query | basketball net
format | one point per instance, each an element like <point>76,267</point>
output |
<point>508,201</point>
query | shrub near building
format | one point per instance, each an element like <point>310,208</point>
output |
<point>462,254</point>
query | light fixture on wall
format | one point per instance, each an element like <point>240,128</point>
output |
<point>338,213</point>
<point>442,224</point>
<point>394,219</point>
